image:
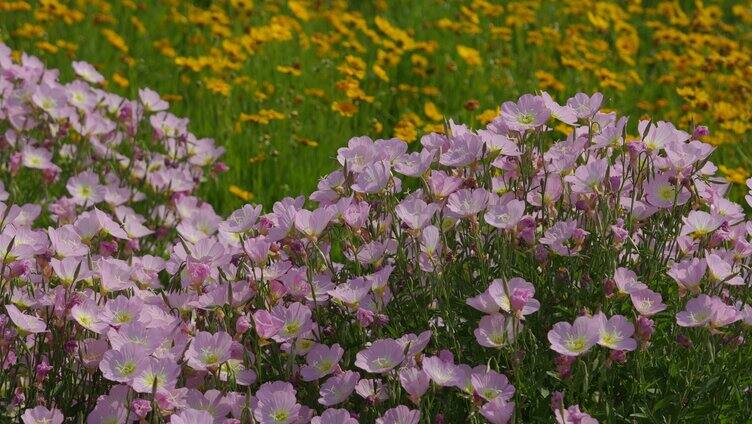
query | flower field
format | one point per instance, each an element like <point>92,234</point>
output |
<point>329,212</point>
<point>283,84</point>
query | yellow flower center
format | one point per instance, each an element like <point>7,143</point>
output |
<point>577,344</point>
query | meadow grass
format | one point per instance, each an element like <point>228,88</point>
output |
<point>622,52</point>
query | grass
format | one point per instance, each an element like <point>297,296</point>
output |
<point>278,159</point>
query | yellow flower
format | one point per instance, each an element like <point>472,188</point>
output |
<point>299,9</point>
<point>294,71</point>
<point>315,92</point>
<point>15,6</point>
<point>353,67</point>
<point>263,117</point>
<point>305,141</point>
<point>547,81</point>
<point>120,80</point>
<point>216,85</point>
<point>28,30</point>
<point>138,25</point>
<point>47,46</point>
<point>401,39</point>
<point>240,193</point>
<point>258,158</point>
<point>435,128</point>
<point>171,97</point>
<point>488,115</point>
<point>380,73</point>
<point>346,109</point>
<point>564,129</point>
<point>432,112</point>
<point>115,39</point>
<point>67,46</point>
<point>430,90</point>
<point>735,175</point>
<point>470,55</point>
<point>165,48</point>
<point>405,130</point>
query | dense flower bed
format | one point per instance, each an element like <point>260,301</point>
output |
<point>502,274</point>
<point>254,73</point>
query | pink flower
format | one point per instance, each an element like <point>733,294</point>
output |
<point>381,357</point>
<point>464,149</point>
<point>466,203</point>
<point>415,213</point>
<point>414,344</point>
<point>647,302</point>
<point>276,404</point>
<point>587,178</point>
<point>312,224</point>
<point>616,332</point>
<point>42,415</point>
<point>505,215</point>
<point>484,302</point>
<point>494,331</point>
<point>27,324</point>
<point>151,100</point>
<point>208,351</point>
<point>115,274</point>
<point>356,214</point>
<point>573,415</point>
<point>372,389</point>
<point>565,114</point>
<point>414,381</point>
<point>707,311</point>
<point>688,273</point>
<point>561,238</point>
<point>87,72</point>
<point>400,415</point>
<point>528,113</point>
<point>585,106</point>
<point>66,241</point>
<point>156,374</point>
<point>414,164</point>
<point>89,315</point>
<point>296,321</point>
<point>107,411</point>
<point>321,361</point>
<point>498,411</point>
<point>498,144</point>
<point>722,271</point>
<point>443,373</point>
<point>514,296</point>
<point>192,416</point>
<point>663,192</point>
<point>700,223</point>
<point>124,364</point>
<point>574,340</point>
<point>334,416</point>
<point>626,281</point>
<point>121,310</point>
<point>491,385</point>
<point>140,407</point>
<point>442,185</point>
<point>359,152</point>
<point>86,189</point>
<point>338,388</point>
<point>266,324</point>
<point>374,178</point>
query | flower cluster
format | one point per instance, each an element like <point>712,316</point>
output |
<point>471,279</point>
<point>394,69</point>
